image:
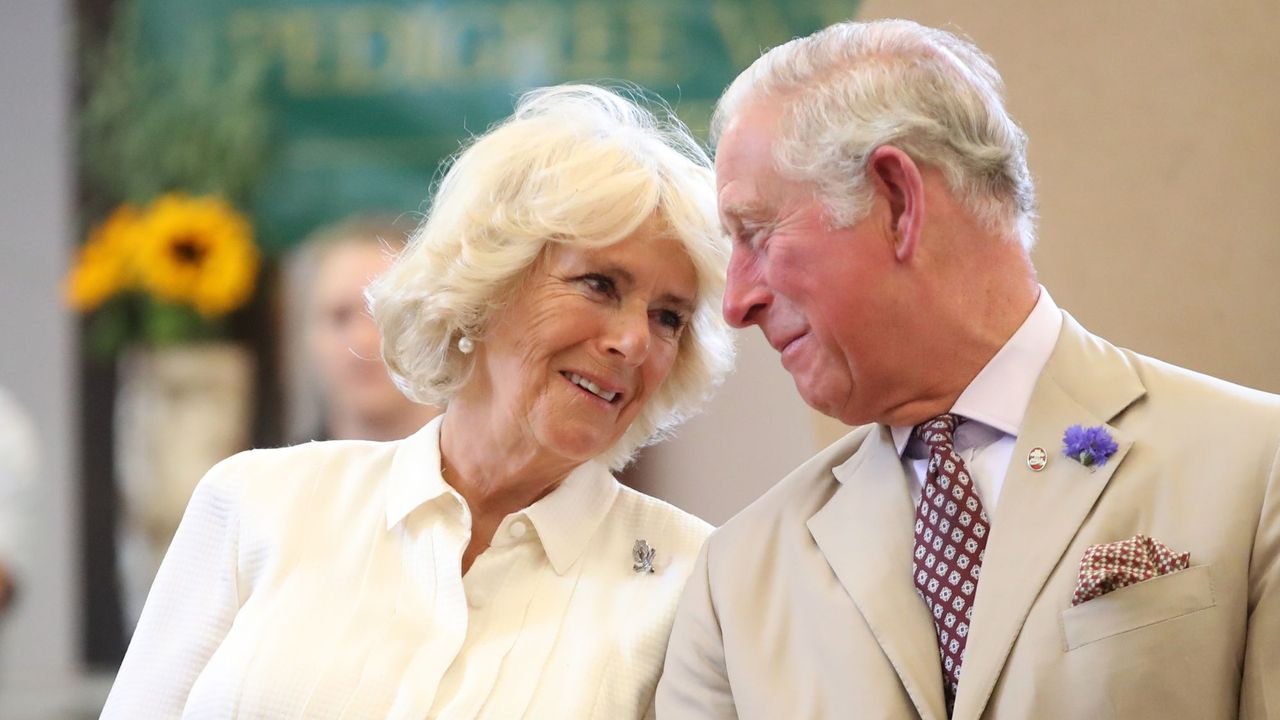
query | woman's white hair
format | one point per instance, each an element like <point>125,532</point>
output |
<point>575,164</point>
<point>856,86</point>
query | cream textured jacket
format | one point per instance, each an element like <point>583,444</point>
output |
<point>323,581</point>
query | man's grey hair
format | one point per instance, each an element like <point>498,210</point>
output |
<point>856,86</point>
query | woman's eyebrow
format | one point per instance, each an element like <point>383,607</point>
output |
<point>627,278</point>
<point>680,302</point>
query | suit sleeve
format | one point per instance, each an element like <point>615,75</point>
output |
<point>695,683</point>
<point>1260,690</point>
<point>190,608</point>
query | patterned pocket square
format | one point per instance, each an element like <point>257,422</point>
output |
<point>1112,566</point>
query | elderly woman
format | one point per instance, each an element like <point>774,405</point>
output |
<point>562,300</point>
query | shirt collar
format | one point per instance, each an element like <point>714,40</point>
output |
<point>565,519</point>
<point>415,473</point>
<point>998,395</point>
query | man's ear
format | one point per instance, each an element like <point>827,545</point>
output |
<point>896,177</point>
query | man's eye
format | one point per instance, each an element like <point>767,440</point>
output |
<point>752,237</point>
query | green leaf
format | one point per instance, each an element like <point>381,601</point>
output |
<point>166,323</point>
<point>109,328</point>
<point>202,125</point>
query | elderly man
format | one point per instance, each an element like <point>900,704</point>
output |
<point>1028,522</point>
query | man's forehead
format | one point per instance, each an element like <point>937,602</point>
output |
<point>744,159</point>
<point>751,131</point>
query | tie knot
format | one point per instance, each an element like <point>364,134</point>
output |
<point>938,432</point>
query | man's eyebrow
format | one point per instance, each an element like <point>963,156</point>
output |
<point>733,215</point>
<point>739,210</point>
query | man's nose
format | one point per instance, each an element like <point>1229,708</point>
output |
<point>745,294</point>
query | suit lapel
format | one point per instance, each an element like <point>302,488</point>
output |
<point>865,531</point>
<point>1086,382</point>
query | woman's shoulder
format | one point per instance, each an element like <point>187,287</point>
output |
<point>295,460</point>
<point>274,474</point>
<point>314,452</point>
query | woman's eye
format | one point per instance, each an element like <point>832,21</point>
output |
<point>601,284</point>
<point>671,320</point>
<point>340,316</point>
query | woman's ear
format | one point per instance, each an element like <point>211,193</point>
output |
<point>896,178</point>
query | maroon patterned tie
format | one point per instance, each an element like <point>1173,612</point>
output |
<point>951,539</point>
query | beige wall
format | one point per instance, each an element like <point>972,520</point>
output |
<point>39,637</point>
<point>1155,142</point>
<point>755,430</point>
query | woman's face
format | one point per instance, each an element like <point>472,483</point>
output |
<point>586,341</point>
<point>342,339</point>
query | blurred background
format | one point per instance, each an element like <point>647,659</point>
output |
<point>165,163</point>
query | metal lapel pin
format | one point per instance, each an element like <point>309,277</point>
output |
<point>642,556</point>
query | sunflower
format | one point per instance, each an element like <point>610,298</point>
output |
<point>197,251</point>
<point>104,265</point>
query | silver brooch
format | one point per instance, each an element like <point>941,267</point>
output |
<point>642,556</point>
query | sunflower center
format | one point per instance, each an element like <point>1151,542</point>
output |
<point>187,250</point>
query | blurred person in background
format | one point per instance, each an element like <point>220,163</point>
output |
<point>338,386</point>
<point>562,299</point>
<point>17,475</point>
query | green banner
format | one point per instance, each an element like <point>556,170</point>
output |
<point>368,97</point>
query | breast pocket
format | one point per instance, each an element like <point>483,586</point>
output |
<point>1139,605</point>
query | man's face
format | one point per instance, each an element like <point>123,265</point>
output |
<point>825,298</point>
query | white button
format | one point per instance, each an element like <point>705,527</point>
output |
<point>518,529</point>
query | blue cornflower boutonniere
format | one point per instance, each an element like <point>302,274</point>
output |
<point>1091,447</point>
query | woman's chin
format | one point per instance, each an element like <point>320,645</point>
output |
<point>576,442</point>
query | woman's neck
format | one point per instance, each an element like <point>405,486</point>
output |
<point>495,467</point>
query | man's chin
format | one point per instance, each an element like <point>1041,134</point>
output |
<point>832,403</point>
<point>820,401</point>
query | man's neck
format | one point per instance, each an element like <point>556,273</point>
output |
<point>970,325</point>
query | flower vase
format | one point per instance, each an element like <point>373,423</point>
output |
<point>180,410</point>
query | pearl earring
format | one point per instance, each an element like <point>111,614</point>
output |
<point>466,345</point>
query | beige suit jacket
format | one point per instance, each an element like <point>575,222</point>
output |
<point>802,606</point>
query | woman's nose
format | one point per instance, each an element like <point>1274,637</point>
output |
<point>629,336</point>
